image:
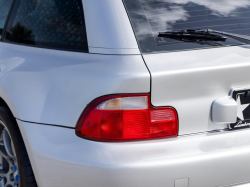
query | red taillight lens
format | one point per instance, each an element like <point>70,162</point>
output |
<point>127,118</point>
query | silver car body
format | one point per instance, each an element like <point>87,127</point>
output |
<point>47,90</point>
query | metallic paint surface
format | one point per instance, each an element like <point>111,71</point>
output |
<point>60,158</point>
<point>238,185</point>
<point>224,110</point>
<point>108,25</point>
<point>116,51</point>
<point>190,81</point>
<point>53,87</point>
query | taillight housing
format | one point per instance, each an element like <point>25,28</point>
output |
<point>126,118</point>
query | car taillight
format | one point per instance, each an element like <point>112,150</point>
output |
<point>126,118</point>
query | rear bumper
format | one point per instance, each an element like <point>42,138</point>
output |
<point>60,158</point>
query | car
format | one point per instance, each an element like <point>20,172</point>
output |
<point>124,93</point>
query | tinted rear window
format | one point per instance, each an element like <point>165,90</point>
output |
<point>149,17</point>
<point>48,23</point>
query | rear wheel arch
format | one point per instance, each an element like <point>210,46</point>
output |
<point>12,110</point>
<point>7,102</point>
<point>4,104</point>
<point>7,105</point>
<point>21,169</point>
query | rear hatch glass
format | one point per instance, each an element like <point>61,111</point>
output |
<point>149,17</point>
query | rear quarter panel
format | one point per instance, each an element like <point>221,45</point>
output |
<point>53,87</point>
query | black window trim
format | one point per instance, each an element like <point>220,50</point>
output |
<point>7,19</point>
<point>10,19</point>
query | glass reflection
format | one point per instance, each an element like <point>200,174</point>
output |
<point>48,23</point>
<point>165,14</point>
<point>21,34</point>
<point>176,15</point>
<point>4,10</point>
